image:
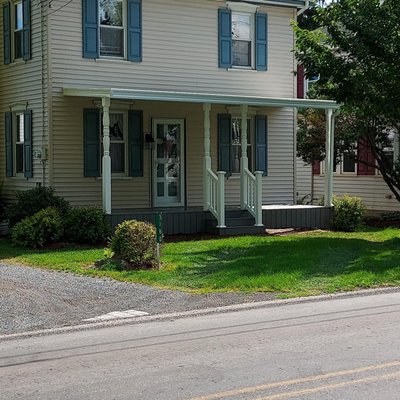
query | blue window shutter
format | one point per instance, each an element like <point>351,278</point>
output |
<point>9,143</point>
<point>134,30</point>
<point>26,32</point>
<point>28,148</point>
<point>262,144</point>
<point>91,142</point>
<point>224,143</point>
<point>261,42</point>
<point>135,143</point>
<point>225,38</point>
<point>90,16</point>
<point>6,33</point>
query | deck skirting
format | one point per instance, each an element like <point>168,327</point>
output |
<point>192,221</point>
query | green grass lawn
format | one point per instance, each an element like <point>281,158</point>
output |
<point>292,265</point>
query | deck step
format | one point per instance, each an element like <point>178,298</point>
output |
<point>239,230</point>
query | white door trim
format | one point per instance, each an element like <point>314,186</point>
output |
<point>175,121</point>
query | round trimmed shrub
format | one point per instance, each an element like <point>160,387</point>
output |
<point>86,225</point>
<point>348,213</point>
<point>31,201</point>
<point>135,242</point>
<point>40,229</point>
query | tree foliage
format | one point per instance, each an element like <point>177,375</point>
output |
<point>354,46</point>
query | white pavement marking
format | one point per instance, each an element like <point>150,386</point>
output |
<point>117,315</point>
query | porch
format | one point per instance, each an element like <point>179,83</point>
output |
<point>194,220</point>
<point>216,201</point>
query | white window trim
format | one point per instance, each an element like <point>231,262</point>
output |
<point>124,36</point>
<point>340,168</point>
<point>242,7</point>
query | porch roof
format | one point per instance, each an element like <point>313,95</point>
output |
<point>187,97</point>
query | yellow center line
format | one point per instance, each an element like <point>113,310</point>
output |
<point>331,386</point>
<point>253,389</point>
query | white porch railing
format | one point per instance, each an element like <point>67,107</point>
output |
<point>252,185</point>
<point>215,195</point>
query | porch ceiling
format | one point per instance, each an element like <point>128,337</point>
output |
<point>186,97</point>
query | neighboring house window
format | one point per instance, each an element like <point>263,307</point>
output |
<point>243,36</point>
<point>16,31</point>
<point>126,142</point>
<point>118,123</point>
<point>229,144</point>
<point>18,143</point>
<point>112,28</point>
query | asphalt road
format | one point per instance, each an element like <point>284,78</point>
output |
<point>336,349</point>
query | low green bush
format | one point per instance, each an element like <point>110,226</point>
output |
<point>390,216</point>
<point>348,213</point>
<point>135,242</point>
<point>38,230</point>
<point>86,225</point>
<point>31,201</point>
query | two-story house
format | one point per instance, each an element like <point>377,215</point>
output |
<point>184,106</point>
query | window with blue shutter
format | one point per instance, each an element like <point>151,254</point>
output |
<point>224,143</point>
<point>91,142</point>
<point>135,143</point>
<point>108,26</point>
<point>134,30</point>
<point>6,33</point>
<point>8,143</point>
<point>225,38</point>
<point>261,145</point>
<point>26,31</point>
<point>90,16</point>
<point>261,47</point>
<point>242,39</point>
<point>28,148</point>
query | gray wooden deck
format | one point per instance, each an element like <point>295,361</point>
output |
<point>193,220</point>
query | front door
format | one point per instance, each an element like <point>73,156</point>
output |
<point>168,174</point>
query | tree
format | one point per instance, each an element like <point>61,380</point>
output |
<point>354,46</point>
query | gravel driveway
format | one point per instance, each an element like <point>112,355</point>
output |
<point>32,299</point>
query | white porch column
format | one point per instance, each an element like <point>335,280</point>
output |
<point>207,154</point>
<point>106,161</point>
<point>329,159</point>
<point>244,161</point>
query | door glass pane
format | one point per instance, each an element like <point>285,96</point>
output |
<point>160,171</point>
<point>173,189</point>
<point>173,171</point>
<point>160,189</point>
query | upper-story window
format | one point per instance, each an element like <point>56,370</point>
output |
<point>243,37</point>
<point>112,28</point>
<point>16,30</point>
